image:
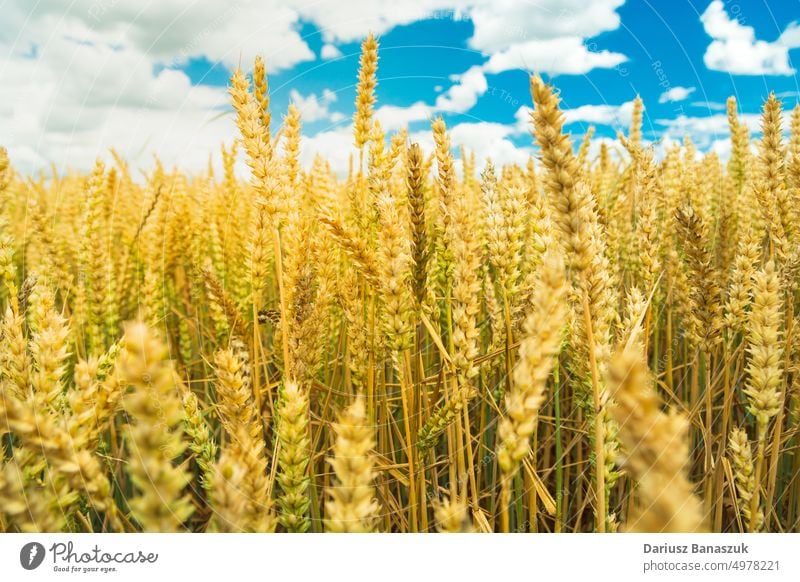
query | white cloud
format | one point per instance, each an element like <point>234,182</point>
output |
<point>735,49</point>
<point>459,98</point>
<point>489,140</point>
<point>463,95</point>
<point>335,146</point>
<point>174,31</point>
<point>79,77</point>
<point>565,55</point>
<point>708,125</point>
<point>546,36</point>
<point>393,117</point>
<point>350,21</point>
<point>616,116</point>
<point>500,24</point>
<point>676,94</point>
<point>330,51</point>
<point>791,36</point>
<point>721,147</point>
<point>501,27</point>
<point>710,105</point>
<point>173,28</point>
<point>523,119</point>
<point>611,115</point>
<point>615,148</point>
<point>710,132</point>
<point>75,100</point>
<point>313,108</point>
<point>486,139</point>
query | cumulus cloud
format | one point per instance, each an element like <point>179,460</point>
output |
<point>463,95</point>
<point>489,140</point>
<point>501,24</point>
<point>486,139</point>
<point>735,48</point>
<point>710,132</point>
<point>330,51</point>
<point>603,114</point>
<point>707,125</point>
<point>498,24</point>
<point>546,35</point>
<point>78,95</point>
<point>613,115</point>
<point>173,31</point>
<point>314,108</point>
<point>335,145</point>
<point>565,55</point>
<point>349,21</point>
<point>393,117</point>
<point>791,36</point>
<point>77,78</point>
<point>675,94</point>
<point>710,105</point>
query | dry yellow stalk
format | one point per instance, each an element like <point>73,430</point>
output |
<point>738,166</point>
<point>247,448</point>
<point>741,280</point>
<point>95,263</point>
<point>353,246</point>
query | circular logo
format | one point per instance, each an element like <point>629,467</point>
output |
<point>31,555</point>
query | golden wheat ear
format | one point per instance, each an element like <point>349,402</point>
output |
<point>453,516</point>
<point>656,450</point>
<point>351,505</point>
<point>294,458</point>
<point>153,435</point>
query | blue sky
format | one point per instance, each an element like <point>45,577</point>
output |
<point>151,77</point>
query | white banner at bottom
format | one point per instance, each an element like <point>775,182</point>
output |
<point>397,557</point>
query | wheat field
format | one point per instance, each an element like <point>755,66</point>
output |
<point>589,343</point>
